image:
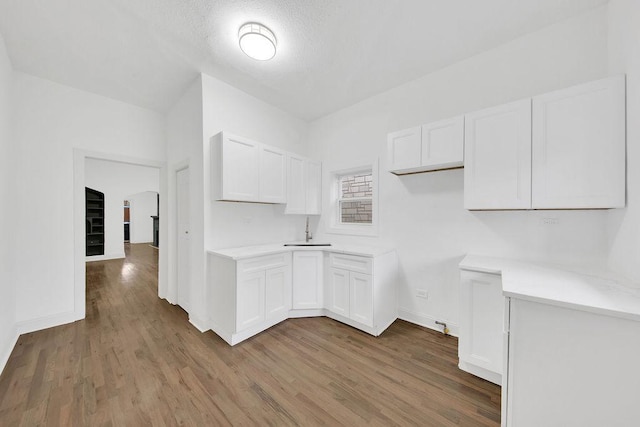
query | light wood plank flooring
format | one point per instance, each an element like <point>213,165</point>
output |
<point>136,360</point>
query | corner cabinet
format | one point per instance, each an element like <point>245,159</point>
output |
<point>480,345</point>
<point>360,291</point>
<point>248,296</point>
<point>561,150</point>
<point>434,146</point>
<point>304,186</point>
<point>308,280</point>
<point>246,170</point>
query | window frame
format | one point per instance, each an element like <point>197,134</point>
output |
<point>335,225</point>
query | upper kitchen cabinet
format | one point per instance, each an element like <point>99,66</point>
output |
<point>579,147</point>
<point>304,185</point>
<point>404,150</point>
<point>273,175</point>
<point>497,171</point>
<point>561,150</point>
<point>434,146</point>
<point>247,171</point>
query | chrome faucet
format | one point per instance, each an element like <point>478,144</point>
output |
<point>307,234</point>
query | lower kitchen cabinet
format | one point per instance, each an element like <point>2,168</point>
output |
<point>249,295</point>
<point>570,367</point>
<point>277,292</point>
<point>307,279</point>
<point>245,296</point>
<point>338,291</point>
<point>351,295</point>
<point>361,291</point>
<point>481,325</point>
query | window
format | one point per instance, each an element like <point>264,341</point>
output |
<point>355,201</point>
<point>354,205</point>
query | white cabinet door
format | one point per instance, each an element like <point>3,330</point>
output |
<point>304,186</point>
<point>338,291</point>
<point>579,146</point>
<point>240,163</point>
<point>273,184</point>
<point>404,149</point>
<point>443,144</point>
<point>307,279</point>
<point>277,292</point>
<point>497,167</point>
<point>250,303</point>
<point>296,197</point>
<point>361,298</point>
<point>313,188</point>
<point>481,324</point>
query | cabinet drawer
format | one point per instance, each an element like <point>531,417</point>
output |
<point>264,262</point>
<point>352,263</point>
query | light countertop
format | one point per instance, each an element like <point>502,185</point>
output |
<point>259,250</point>
<point>598,292</point>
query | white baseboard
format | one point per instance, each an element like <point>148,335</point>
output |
<point>426,321</point>
<point>5,352</point>
<point>27,326</point>
<point>104,257</point>
<point>199,324</point>
<point>309,312</point>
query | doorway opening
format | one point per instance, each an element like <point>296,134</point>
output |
<point>119,178</point>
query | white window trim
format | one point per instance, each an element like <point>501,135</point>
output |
<point>334,226</point>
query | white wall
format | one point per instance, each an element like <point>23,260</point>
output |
<point>228,224</point>
<point>49,121</point>
<point>184,148</point>
<point>237,224</point>
<point>422,215</point>
<point>208,107</point>
<point>624,57</point>
<point>142,207</point>
<point>8,333</point>
<point>118,181</point>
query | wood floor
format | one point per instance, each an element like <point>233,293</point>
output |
<point>135,360</point>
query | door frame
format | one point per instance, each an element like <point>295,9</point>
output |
<point>173,284</point>
<point>79,237</point>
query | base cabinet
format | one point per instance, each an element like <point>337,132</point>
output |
<point>251,297</point>
<point>570,368</point>
<point>351,295</point>
<point>480,345</point>
<point>308,278</point>
<point>277,292</point>
<point>248,296</point>
<point>361,291</point>
<point>338,291</point>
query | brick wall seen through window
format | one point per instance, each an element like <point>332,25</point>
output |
<point>356,199</point>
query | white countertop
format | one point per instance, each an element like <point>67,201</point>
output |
<point>601,292</point>
<point>259,250</point>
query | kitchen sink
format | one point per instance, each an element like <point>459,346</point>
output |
<point>307,244</point>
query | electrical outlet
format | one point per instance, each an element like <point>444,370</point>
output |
<point>550,221</point>
<point>422,293</point>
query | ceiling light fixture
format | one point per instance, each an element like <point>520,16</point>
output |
<point>257,41</point>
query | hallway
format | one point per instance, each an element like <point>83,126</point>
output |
<point>136,360</point>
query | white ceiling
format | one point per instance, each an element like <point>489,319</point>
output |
<point>331,53</point>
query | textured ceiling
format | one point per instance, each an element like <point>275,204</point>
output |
<point>331,53</point>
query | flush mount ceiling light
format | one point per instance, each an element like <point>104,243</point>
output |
<point>257,41</point>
